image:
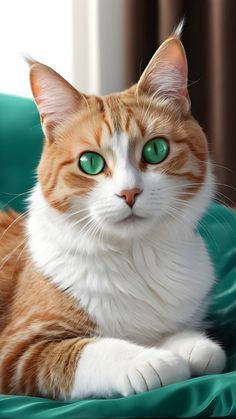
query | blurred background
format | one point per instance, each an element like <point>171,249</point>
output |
<point>101,46</point>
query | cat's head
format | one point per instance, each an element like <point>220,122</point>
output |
<point>123,163</point>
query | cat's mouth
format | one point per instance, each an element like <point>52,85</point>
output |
<point>132,218</point>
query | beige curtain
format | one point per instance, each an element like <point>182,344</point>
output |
<point>209,38</point>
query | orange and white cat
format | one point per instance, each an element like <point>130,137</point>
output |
<point>104,281</point>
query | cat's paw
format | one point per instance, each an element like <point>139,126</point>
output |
<point>203,355</point>
<point>111,367</point>
<point>206,357</point>
<point>152,368</point>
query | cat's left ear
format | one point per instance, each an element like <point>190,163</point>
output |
<point>165,78</point>
<point>55,98</point>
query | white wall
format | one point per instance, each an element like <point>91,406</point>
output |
<point>41,28</point>
<point>98,45</point>
<point>111,37</point>
<point>81,39</point>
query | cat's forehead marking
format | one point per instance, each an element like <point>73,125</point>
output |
<point>125,176</point>
<point>115,108</point>
<point>117,114</point>
<point>120,144</point>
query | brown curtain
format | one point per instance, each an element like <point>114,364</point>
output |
<point>209,38</point>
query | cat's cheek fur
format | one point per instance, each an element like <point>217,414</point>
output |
<point>113,367</point>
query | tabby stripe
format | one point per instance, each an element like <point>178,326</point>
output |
<point>53,182</point>
<point>98,136</point>
<point>34,319</point>
<point>188,175</point>
<point>140,126</point>
<point>199,154</point>
<point>61,205</point>
<point>9,362</point>
<point>81,183</point>
<point>193,189</point>
<point>127,123</point>
<point>26,374</point>
<point>101,104</point>
<point>178,161</point>
<point>108,126</point>
<point>58,363</point>
<point>128,118</point>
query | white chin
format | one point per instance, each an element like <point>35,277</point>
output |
<point>130,227</point>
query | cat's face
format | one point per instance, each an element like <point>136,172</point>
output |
<point>123,163</point>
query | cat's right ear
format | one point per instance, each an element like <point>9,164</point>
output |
<point>166,76</point>
<point>55,98</point>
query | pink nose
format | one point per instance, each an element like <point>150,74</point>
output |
<point>129,195</point>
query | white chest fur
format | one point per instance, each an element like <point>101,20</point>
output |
<point>139,291</point>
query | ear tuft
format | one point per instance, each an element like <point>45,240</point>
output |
<point>179,29</point>
<point>29,60</point>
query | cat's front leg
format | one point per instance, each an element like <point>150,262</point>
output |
<point>111,367</point>
<point>203,355</point>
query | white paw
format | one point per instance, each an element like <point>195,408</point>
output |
<point>150,369</point>
<point>111,367</point>
<point>206,357</point>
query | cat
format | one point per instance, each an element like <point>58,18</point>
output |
<point>104,280</point>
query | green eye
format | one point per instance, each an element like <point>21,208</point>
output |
<point>155,151</point>
<point>91,163</point>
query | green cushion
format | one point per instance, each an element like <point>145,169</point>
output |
<point>21,145</point>
<point>209,396</point>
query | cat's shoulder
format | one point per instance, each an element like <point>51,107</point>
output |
<point>6,218</point>
<point>11,235</point>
